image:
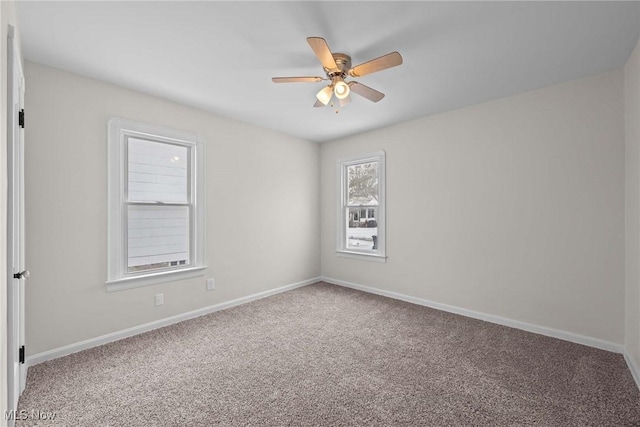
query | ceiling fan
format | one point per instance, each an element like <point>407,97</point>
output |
<point>337,67</point>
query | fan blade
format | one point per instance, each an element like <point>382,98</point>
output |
<point>296,79</point>
<point>321,49</point>
<point>318,104</point>
<point>345,101</point>
<point>366,91</point>
<point>389,60</point>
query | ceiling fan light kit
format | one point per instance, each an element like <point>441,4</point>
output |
<point>337,67</point>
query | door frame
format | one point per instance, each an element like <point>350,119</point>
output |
<point>15,223</point>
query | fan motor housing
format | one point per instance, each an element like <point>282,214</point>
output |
<point>343,61</point>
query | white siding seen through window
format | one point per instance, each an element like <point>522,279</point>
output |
<point>158,205</point>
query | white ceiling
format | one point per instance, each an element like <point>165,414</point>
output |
<point>220,56</point>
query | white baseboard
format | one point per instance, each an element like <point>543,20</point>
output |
<point>529,327</point>
<point>542,330</point>
<point>632,367</point>
<point>115,336</point>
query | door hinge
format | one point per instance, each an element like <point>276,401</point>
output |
<point>21,118</point>
<point>21,354</point>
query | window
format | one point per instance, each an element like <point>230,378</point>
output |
<point>156,205</point>
<point>361,207</point>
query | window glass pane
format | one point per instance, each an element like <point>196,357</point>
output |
<point>362,232</point>
<point>158,237</point>
<point>157,172</point>
<point>362,184</point>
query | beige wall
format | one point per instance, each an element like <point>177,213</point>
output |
<point>632,179</point>
<point>262,195</point>
<point>513,207</point>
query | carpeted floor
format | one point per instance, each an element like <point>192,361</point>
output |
<point>326,355</point>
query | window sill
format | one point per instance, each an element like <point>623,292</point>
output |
<point>153,279</point>
<point>362,256</point>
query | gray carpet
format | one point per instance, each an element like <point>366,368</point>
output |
<point>326,355</point>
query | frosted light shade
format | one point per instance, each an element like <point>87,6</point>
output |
<point>341,90</point>
<point>324,95</point>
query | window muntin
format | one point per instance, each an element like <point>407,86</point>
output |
<point>156,205</point>
<point>361,206</point>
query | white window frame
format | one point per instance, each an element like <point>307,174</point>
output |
<point>119,130</point>
<point>342,250</point>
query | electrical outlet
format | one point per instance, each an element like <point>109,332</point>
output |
<point>159,299</point>
<point>211,284</point>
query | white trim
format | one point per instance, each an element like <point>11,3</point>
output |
<point>152,279</point>
<point>554,333</point>
<point>529,327</point>
<point>362,256</point>
<point>635,371</point>
<point>118,130</point>
<point>115,336</point>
